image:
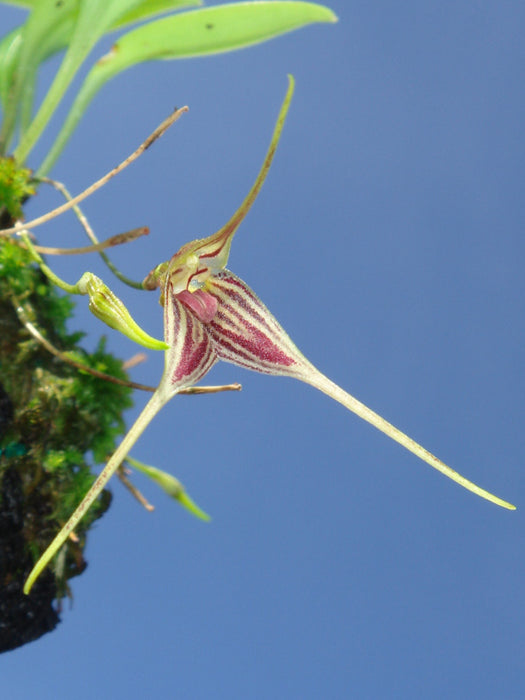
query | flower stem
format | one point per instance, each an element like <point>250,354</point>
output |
<point>153,406</point>
<point>319,381</point>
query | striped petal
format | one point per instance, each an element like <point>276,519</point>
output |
<point>191,354</point>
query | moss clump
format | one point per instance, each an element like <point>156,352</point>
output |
<point>15,187</point>
<point>51,416</point>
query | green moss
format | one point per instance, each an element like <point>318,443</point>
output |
<point>15,187</point>
<point>52,418</point>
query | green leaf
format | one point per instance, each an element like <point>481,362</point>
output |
<point>55,37</point>
<point>9,53</point>
<point>24,65</point>
<point>198,33</point>
<point>92,18</point>
<point>151,8</point>
<point>210,31</point>
<point>52,41</point>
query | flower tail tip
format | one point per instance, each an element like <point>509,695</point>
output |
<point>474,488</point>
<point>186,502</point>
<point>504,504</point>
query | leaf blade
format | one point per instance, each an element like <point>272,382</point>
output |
<point>212,30</point>
<point>186,35</point>
<point>91,20</point>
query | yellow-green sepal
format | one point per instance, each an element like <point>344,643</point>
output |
<point>106,306</point>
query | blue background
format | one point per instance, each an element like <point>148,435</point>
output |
<point>388,240</point>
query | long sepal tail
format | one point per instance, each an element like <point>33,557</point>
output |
<point>218,244</point>
<point>150,410</point>
<point>245,333</point>
<point>319,381</point>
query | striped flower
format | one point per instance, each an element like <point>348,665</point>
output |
<point>225,320</point>
<point>209,315</point>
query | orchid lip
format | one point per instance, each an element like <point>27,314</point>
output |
<point>202,304</point>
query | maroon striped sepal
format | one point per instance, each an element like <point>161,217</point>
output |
<point>225,321</point>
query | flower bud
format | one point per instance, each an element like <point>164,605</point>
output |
<point>106,306</point>
<point>170,485</point>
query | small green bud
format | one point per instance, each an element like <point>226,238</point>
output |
<point>170,485</point>
<point>106,306</point>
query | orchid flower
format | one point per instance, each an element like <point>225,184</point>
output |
<point>210,314</point>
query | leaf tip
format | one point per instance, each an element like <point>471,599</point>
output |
<point>325,14</point>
